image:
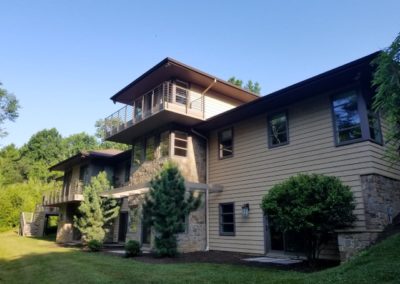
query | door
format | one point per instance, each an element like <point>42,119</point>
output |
<point>284,242</point>
<point>123,226</point>
<point>146,234</point>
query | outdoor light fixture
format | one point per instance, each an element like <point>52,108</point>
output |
<point>245,210</point>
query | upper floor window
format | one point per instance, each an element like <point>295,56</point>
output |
<point>84,174</point>
<point>180,143</point>
<point>181,92</point>
<point>225,142</point>
<point>278,131</point>
<point>353,119</point>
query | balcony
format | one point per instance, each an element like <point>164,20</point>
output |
<point>71,194</point>
<point>182,105</point>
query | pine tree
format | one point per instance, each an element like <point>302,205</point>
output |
<point>96,212</point>
<point>165,208</point>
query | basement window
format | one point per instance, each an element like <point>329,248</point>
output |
<point>180,144</point>
<point>227,219</point>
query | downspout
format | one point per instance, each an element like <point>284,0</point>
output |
<point>207,192</point>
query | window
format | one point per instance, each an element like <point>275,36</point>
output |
<point>67,182</point>
<point>150,148</point>
<point>138,109</point>
<point>180,144</point>
<point>127,171</point>
<point>353,119</point>
<point>185,223</point>
<point>84,174</point>
<point>164,144</point>
<point>227,219</point>
<point>225,141</point>
<point>137,153</point>
<point>278,130</point>
<point>181,92</point>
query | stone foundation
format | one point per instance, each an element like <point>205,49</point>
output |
<point>382,203</point>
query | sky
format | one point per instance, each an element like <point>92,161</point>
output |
<point>63,60</point>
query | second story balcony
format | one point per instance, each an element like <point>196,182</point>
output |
<point>71,193</point>
<point>168,101</point>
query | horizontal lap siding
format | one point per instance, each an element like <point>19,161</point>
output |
<point>254,169</point>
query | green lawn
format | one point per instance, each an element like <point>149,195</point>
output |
<point>26,260</point>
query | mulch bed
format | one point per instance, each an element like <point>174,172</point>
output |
<point>232,258</point>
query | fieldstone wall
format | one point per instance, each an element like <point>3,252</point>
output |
<point>65,227</point>
<point>381,200</point>
<point>382,203</point>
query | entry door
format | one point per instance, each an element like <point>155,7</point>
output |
<point>123,226</point>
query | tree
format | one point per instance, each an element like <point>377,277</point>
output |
<point>101,125</point>
<point>95,212</point>
<point>8,108</point>
<point>76,143</point>
<point>386,79</point>
<point>11,168</point>
<point>250,86</point>
<point>310,204</point>
<point>166,206</point>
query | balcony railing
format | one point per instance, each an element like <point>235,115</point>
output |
<point>73,193</point>
<point>165,96</point>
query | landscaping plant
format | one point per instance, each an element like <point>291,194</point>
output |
<point>132,248</point>
<point>166,206</point>
<point>313,205</point>
<point>95,245</point>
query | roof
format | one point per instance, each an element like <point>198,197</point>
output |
<point>327,81</point>
<point>106,154</point>
<point>170,68</point>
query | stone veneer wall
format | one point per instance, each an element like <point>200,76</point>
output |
<point>382,203</point>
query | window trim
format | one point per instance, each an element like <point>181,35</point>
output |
<point>219,142</point>
<point>286,113</point>
<point>181,148</point>
<point>221,233</point>
<point>362,112</point>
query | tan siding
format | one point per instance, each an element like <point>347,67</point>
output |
<point>255,168</point>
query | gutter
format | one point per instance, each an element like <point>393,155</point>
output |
<point>207,190</point>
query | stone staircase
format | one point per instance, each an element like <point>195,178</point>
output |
<point>32,224</point>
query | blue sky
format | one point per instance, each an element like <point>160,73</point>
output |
<point>65,59</point>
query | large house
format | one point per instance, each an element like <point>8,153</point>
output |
<point>232,147</point>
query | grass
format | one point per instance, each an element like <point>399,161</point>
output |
<point>28,260</point>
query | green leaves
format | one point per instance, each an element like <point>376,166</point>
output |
<point>166,206</point>
<point>386,80</point>
<point>8,108</point>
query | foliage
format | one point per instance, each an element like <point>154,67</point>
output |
<point>94,245</point>
<point>311,204</point>
<point>8,108</point>
<point>132,248</point>
<point>20,197</point>
<point>79,142</point>
<point>386,79</point>
<point>101,125</point>
<point>165,206</point>
<point>95,212</point>
<point>11,168</point>
<point>250,86</point>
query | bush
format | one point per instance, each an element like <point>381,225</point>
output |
<point>95,245</point>
<point>132,248</point>
<point>313,205</point>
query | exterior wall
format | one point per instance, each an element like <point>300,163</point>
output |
<point>255,168</point>
<point>65,229</point>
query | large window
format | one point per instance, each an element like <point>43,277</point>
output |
<point>150,148</point>
<point>225,141</point>
<point>278,132</point>
<point>84,177</point>
<point>180,144</point>
<point>137,153</point>
<point>164,144</point>
<point>353,119</point>
<point>227,219</point>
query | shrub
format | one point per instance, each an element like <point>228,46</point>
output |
<point>132,248</point>
<point>312,205</point>
<point>95,245</point>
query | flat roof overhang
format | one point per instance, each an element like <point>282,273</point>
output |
<point>158,120</point>
<point>169,69</point>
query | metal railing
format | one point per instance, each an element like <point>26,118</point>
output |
<point>165,96</point>
<point>73,193</point>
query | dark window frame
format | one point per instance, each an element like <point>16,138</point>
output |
<point>178,147</point>
<point>269,130</point>
<point>362,109</point>
<point>219,143</point>
<point>221,223</point>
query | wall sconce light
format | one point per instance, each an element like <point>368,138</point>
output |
<point>245,210</point>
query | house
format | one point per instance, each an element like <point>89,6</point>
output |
<point>232,147</point>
